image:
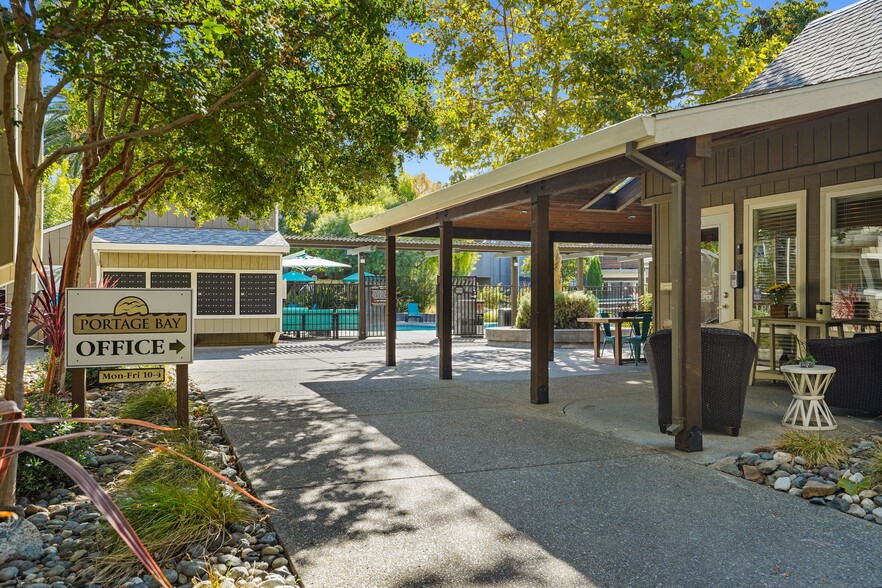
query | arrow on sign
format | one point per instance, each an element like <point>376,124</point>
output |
<point>177,346</point>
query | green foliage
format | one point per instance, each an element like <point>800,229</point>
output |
<point>814,448</point>
<point>519,77</point>
<point>522,320</point>
<point>36,476</point>
<point>594,275</point>
<point>156,405</point>
<point>781,22</point>
<point>58,187</point>
<point>645,301</point>
<point>568,306</point>
<point>854,487</point>
<point>493,297</point>
<point>168,518</point>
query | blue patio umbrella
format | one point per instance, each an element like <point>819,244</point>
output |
<point>353,278</point>
<point>293,276</point>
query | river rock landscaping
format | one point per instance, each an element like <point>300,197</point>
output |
<point>847,487</point>
<point>64,541</point>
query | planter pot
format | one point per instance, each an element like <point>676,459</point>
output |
<point>806,364</point>
<point>779,310</point>
<point>861,311</point>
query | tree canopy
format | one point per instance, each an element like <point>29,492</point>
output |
<point>519,77</point>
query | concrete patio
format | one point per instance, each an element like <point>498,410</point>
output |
<point>391,477</point>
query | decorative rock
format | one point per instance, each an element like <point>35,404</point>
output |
<point>768,466</point>
<point>870,494</point>
<point>269,539</point>
<point>170,575</point>
<point>279,562</point>
<point>868,504</point>
<point>752,473</point>
<point>829,472</point>
<point>799,460</point>
<point>111,458</point>
<point>238,572</point>
<point>856,477</point>
<point>816,500</point>
<point>795,492</point>
<point>814,489</point>
<point>783,484</point>
<point>782,457</point>
<point>19,538</point>
<point>878,512</point>
<point>856,511</point>
<point>9,573</point>
<point>840,505</point>
<point>846,498</point>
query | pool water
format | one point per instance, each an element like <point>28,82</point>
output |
<point>415,327</point>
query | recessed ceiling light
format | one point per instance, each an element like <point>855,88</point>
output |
<point>523,212</point>
<point>632,217</point>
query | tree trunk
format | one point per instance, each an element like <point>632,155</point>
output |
<point>79,234</point>
<point>18,323</point>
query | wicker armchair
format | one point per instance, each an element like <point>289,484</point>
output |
<point>858,381</point>
<point>726,360</point>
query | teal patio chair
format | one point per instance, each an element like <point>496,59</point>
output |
<point>413,311</point>
<point>607,333</point>
<point>642,326</point>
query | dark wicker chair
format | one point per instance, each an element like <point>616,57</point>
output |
<point>726,361</point>
<point>857,384</point>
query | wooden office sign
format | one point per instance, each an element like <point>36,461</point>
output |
<point>131,375</point>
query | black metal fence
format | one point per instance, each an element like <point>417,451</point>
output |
<point>331,310</point>
<point>613,298</point>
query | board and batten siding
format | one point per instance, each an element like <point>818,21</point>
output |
<point>209,330</point>
<point>838,148</point>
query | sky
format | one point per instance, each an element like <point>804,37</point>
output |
<point>439,173</point>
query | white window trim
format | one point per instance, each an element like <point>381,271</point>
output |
<point>752,204</point>
<point>193,273</point>
<point>828,193</point>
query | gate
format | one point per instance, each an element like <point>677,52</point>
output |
<point>375,295</point>
<point>468,310</point>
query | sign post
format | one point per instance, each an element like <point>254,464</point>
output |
<point>116,326</point>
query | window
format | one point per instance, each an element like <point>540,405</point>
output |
<point>855,251</point>
<point>126,279</point>
<point>169,279</point>
<point>257,294</point>
<point>774,253</point>
<point>215,293</point>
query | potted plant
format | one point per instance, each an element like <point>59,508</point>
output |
<point>807,361</point>
<point>778,294</point>
<point>850,305</point>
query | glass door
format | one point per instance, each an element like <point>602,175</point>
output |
<point>717,295</point>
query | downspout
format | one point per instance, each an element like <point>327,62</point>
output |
<point>675,228</point>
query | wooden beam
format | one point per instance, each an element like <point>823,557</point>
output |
<point>559,236</point>
<point>362,299</point>
<point>539,325</point>
<point>182,394</point>
<point>515,288</point>
<point>549,295</point>
<point>391,300</point>
<point>445,302</point>
<point>687,289</point>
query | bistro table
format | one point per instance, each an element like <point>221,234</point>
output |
<point>617,321</point>
<point>808,411</point>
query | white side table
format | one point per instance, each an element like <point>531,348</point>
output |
<point>808,411</point>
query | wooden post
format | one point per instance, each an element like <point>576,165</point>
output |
<point>182,386</point>
<point>362,299</point>
<point>515,286</point>
<point>540,250</point>
<point>78,392</point>
<point>580,273</point>
<point>391,300</point>
<point>686,296</point>
<point>445,301</point>
<point>641,277</point>
<point>550,293</point>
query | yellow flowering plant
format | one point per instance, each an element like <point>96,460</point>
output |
<point>779,292</point>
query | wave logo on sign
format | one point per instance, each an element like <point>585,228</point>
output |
<point>130,315</point>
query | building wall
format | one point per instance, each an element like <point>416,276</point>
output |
<point>808,155</point>
<point>224,330</point>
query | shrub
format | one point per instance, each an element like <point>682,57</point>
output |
<point>815,449</point>
<point>35,475</point>
<point>568,306</point>
<point>156,405</point>
<point>168,518</point>
<point>493,296</point>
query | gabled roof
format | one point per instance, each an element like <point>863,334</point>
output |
<point>844,44</point>
<point>153,239</point>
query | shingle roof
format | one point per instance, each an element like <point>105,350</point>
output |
<point>193,237</point>
<point>844,44</point>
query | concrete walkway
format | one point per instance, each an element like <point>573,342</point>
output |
<point>388,477</point>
